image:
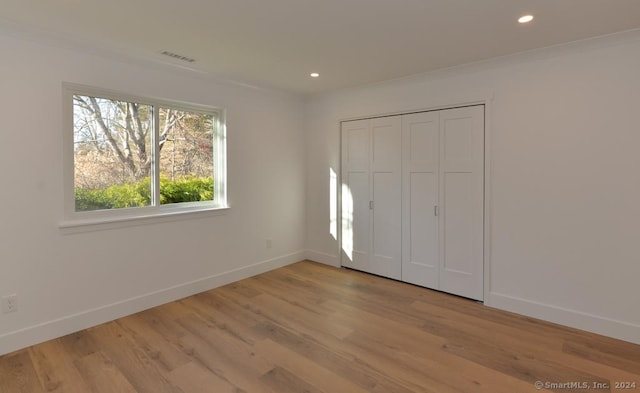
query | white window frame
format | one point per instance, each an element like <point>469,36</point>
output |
<point>110,218</point>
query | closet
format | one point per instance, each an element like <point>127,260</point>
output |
<point>413,198</point>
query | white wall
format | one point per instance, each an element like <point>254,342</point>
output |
<point>565,175</point>
<point>66,282</point>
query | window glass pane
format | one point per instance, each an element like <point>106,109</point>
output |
<point>112,153</point>
<point>186,156</point>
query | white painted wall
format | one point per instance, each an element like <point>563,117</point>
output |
<point>66,282</point>
<point>565,175</point>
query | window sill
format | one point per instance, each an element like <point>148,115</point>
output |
<point>81,225</point>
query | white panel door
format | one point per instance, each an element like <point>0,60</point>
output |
<point>461,217</point>
<point>386,191</point>
<point>371,196</point>
<point>420,172</point>
<point>355,236</point>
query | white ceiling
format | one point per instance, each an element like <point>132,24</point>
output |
<point>277,43</point>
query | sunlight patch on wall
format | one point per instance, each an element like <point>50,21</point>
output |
<point>347,221</point>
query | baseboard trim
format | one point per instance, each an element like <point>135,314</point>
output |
<point>35,334</point>
<point>580,320</point>
<point>321,257</point>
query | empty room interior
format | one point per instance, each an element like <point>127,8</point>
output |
<point>336,196</point>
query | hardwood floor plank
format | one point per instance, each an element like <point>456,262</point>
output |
<point>193,378</point>
<point>163,321</point>
<point>226,366</point>
<point>244,287</point>
<point>221,313</point>
<point>102,375</point>
<point>155,346</point>
<point>79,344</point>
<point>55,369</point>
<point>142,372</point>
<point>270,308</point>
<point>374,322</point>
<point>284,381</point>
<point>234,351</point>
<point>302,293</point>
<point>306,369</point>
<point>17,374</point>
<point>298,317</point>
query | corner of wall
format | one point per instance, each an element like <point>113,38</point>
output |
<point>321,257</point>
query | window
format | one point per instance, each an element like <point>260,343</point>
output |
<point>129,157</point>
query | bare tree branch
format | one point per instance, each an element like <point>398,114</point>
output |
<point>97,116</point>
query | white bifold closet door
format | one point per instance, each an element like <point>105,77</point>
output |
<point>371,194</point>
<point>443,200</point>
<point>413,198</point>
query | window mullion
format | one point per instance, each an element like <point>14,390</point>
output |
<point>220,159</point>
<point>155,158</point>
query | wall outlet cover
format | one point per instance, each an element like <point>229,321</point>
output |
<point>9,303</point>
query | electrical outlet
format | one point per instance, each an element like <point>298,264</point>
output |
<point>9,303</point>
<point>269,242</point>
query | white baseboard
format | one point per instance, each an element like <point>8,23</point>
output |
<point>580,320</point>
<point>321,257</point>
<point>32,335</point>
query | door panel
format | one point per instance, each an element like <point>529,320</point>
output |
<point>385,255</point>
<point>423,140</point>
<point>421,259</point>
<point>458,223</point>
<point>358,148</point>
<point>355,189</point>
<point>457,132</point>
<point>385,133</point>
<point>424,229</point>
<point>355,145</point>
<point>420,141</point>
<point>386,163</point>
<point>462,200</point>
<point>371,155</point>
<point>358,227</point>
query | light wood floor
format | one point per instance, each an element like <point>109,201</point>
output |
<point>312,328</point>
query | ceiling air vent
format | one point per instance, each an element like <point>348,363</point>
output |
<point>177,56</point>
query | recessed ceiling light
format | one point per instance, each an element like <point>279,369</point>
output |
<point>314,75</point>
<point>525,19</point>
